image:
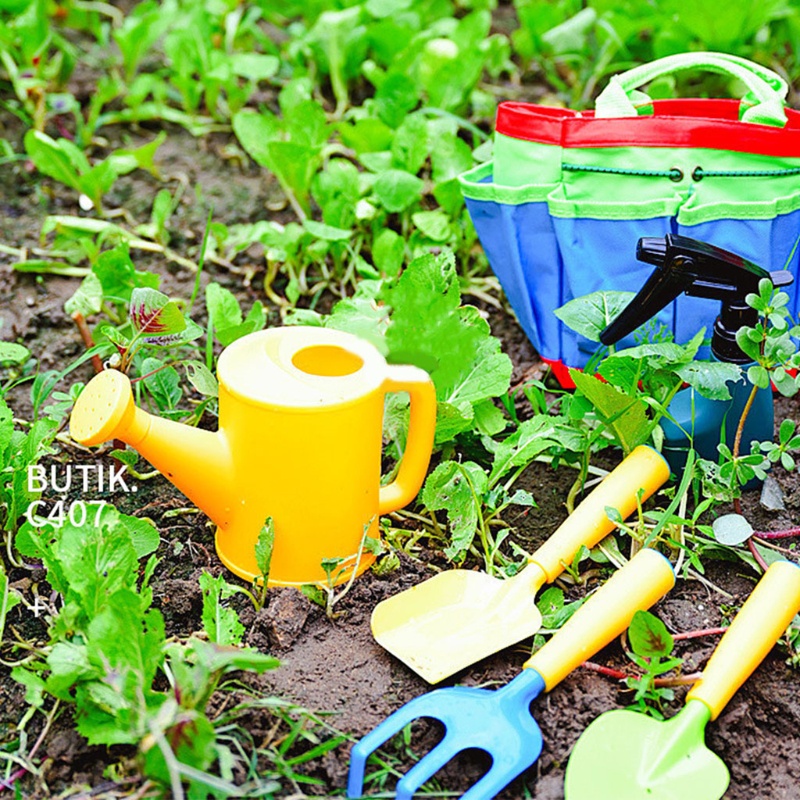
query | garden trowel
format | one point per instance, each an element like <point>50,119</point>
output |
<point>626,755</point>
<point>458,617</point>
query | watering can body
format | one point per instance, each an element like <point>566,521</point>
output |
<point>300,440</point>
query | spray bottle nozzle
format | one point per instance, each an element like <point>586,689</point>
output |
<point>698,269</point>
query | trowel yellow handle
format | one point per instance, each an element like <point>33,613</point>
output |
<point>421,428</point>
<point>644,469</point>
<point>757,627</point>
<point>646,578</point>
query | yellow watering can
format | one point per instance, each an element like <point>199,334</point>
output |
<point>299,439</point>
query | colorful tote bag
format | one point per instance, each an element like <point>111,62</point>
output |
<point>568,194</point>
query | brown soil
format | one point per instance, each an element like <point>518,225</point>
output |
<point>334,665</point>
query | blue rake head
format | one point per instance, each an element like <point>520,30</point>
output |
<point>496,721</point>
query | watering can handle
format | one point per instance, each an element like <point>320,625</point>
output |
<point>753,633</point>
<point>421,427</point>
<point>646,578</point>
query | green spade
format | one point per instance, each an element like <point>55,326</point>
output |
<point>625,755</point>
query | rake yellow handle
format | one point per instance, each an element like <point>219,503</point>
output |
<point>757,627</point>
<point>643,469</point>
<point>646,578</point>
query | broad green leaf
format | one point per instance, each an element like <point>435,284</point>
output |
<point>11,353</point>
<point>590,314</point>
<point>434,224</point>
<point>457,489</point>
<point>163,382</point>
<point>711,378</point>
<point>154,314</point>
<point>388,251</point>
<point>33,683</point>
<point>532,438</point>
<point>625,416</point>
<point>326,232</point>
<point>649,636</point>
<point>397,190</point>
<point>732,529</point>
<point>254,66</point>
<point>201,378</point>
<point>51,159</point>
<point>88,298</point>
<point>255,133</point>
<point>223,307</point>
<point>125,160</point>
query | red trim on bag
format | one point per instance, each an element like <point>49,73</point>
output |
<point>561,371</point>
<point>694,122</point>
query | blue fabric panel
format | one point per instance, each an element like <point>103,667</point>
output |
<point>600,255</point>
<point>521,247</point>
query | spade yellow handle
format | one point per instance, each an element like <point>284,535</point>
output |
<point>763,618</point>
<point>646,578</point>
<point>643,469</point>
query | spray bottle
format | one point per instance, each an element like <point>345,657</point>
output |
<point>699,269</point>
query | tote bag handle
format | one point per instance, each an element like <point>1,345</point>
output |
<point>767,89</point>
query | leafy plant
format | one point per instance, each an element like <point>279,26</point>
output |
<point>65,162</point>
<point>652,648</point>
<point>19,451</point>
<point>107,646</point>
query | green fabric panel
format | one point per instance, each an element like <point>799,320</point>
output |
<point>494,192</point>
<point>533,173</point>
<point>518,162</point>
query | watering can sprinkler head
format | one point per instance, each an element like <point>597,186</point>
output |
<point>299,441</point>
<point>698,269</point>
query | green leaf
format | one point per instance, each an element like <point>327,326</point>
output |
<point>434,224</point>
<point>33,683</point>
<point>264,546</point>
<point>532,438</point>
<point>51,159</point>
<point>625,416</point>
<point>221,623</point>
<point>153,314</point>
<point>731,529</point>
<point>590,314</point>
<point>457,489</point>
<point>87,299</point>
<point>223,307</point>
<point>388,251</point>
<point>649,636</point>
<point>11,353</point>
<point>254,66</point>
<point>711,378</point>
<point>396,189</point>
<point>201,378</point>
<point>163,383</point>
<point>326,232</point>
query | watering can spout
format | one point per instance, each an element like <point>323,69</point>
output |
<point>198,462</point>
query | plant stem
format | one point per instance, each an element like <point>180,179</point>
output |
<point>86,335</point>
<point>680,680</point>
<point>756,555</point>
<point>788,533</point>
<point>697,634</point>
<point>740,427</point>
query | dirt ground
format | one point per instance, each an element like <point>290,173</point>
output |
<point>335,666</point>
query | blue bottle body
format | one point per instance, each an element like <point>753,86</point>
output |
<point>716,421</point>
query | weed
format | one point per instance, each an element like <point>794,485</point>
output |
<point>652,648</point>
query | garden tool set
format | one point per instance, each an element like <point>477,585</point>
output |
<point>500,721</point>
<point>301,419</point>
<point>420,626</point>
